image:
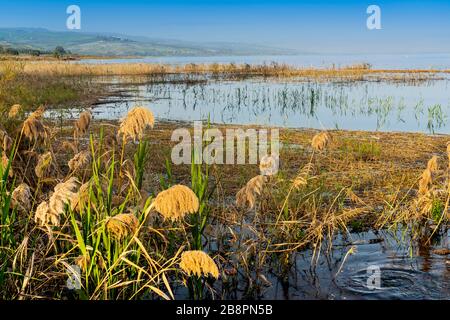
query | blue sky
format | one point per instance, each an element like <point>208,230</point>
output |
<point>309,26</point>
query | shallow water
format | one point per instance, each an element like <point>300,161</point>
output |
<point>368,105</point>
<point>405,272</point>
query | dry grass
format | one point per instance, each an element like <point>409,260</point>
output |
<point>354,72</point>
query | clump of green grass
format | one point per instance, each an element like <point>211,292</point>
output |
<point>360,150</point>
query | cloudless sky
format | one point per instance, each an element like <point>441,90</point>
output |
<point>309,26</point>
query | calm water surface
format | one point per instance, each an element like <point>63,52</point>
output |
<point>368,105</point>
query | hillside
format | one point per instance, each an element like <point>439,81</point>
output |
<point>121,45</point>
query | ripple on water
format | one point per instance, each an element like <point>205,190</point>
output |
<point>395,283</point>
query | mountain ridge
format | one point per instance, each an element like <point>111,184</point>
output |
<point>111,44</point>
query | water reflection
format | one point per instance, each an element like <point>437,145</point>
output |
<point>366,105</point>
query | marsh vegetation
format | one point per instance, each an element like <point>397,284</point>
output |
<point>94,192</point>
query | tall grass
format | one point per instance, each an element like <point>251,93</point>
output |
<point>352,72</point>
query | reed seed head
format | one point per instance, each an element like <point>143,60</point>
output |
<point>448,153</point>
<point>198,263</point>
<point>122,225</point>
<point>14,111</point>
<point>425,181</point>
<point>82,124</point>
<point>43,167</point>
<point>432,164</point>
<point>320,141</point>
<point>6,140</point>
<point>247,195</point>
<point>83,261</point>
<point>34,130</point>
<point>134,124</point>
<point>65,193</point>
<point>38,113</point>
<point>81,161</point>
<point>269,165</point>
<point>175,202</point>
<point>21,198</point>
<point>5,162</point>
<point>44,217</point>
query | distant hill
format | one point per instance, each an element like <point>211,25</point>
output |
<point>122,45</point>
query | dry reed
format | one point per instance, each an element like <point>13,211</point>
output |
<point>198,263</point>
<point>21,198</point>
<point>44,165</point>
<point>247,195</point>
<point>82,124</point>
<point>135,122</point>
<point>175,202</point>
<point>122,225</point>
<point>81,161</point>
<point>269,165</point>
<point>65,193</point>
<point>33,128</point>
<point>14,111</point>
<point>320,141</point>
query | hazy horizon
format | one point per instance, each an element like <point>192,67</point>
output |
<point>316,27</point>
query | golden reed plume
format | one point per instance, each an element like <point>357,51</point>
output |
<point>248,193</point>
<point>426,179</point>
<point>198,263</point>
<point>268,165</point>
<point>122,225</point>
<point>65,193</point>
<point>44,165</point>
<point>448,153</point>
<point>14,111</point>
<point>175,202</point>
<point>6,141</point>
<point>21,198</point>
<point>81,161</point>
<point>134,124</point>
<point>82,124</point>
<point>83,262</point>
<point>33,128</point>
<point>320,141</point>
<point>5,162</point>
<point>432,164</point>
